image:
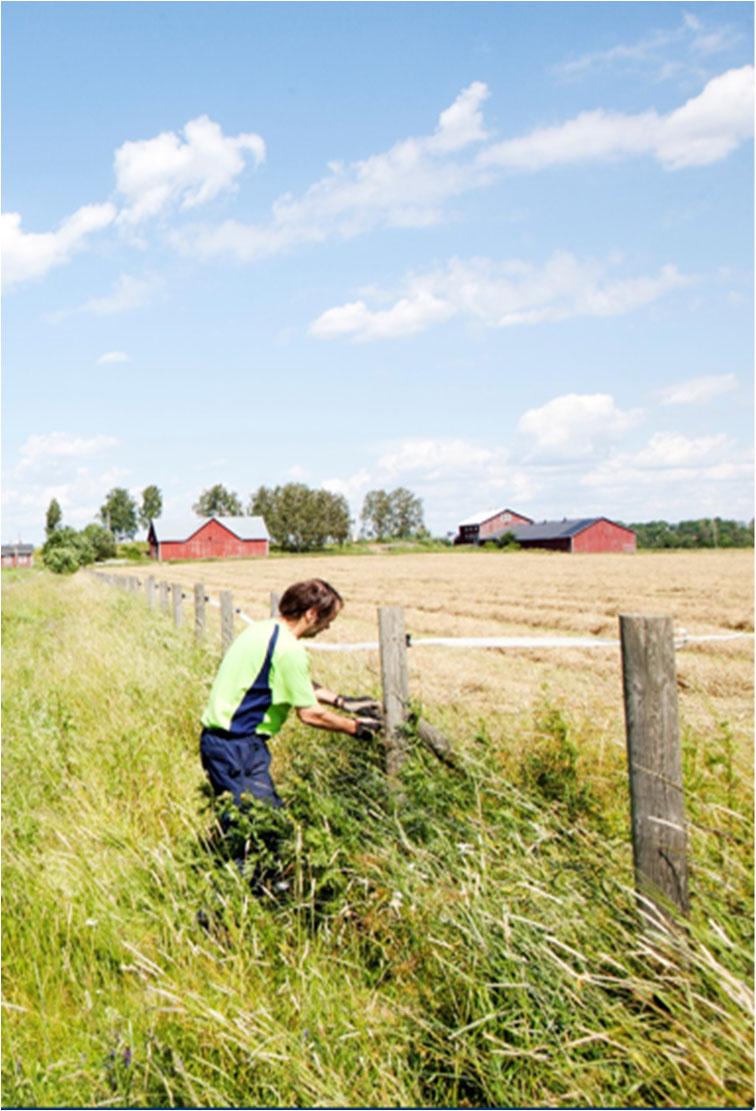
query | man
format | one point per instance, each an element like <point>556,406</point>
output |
<point>264,673</point>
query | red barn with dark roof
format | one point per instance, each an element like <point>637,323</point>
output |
<point>583,534</point>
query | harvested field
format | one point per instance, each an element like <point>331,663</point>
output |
<point>476,593</point>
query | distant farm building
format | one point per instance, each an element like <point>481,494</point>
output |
<point>207,538</point>
<point>488,525</point>
<point>17,555</point>
<point>584,534</point>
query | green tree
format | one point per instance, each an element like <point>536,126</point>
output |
<point>119,513</point>
<point>395,514</point>
<point>376,515</point>
<point>406,513</point>
<point>151,507</point>
<point>66,549</point>
<point>102,541</point>
<point>706,532</point>
<point>218,502</point>
<point>300,519</point>
<point>54,517</point>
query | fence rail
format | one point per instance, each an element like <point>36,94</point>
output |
<point>648,646</point>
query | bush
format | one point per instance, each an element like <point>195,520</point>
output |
<point>101,540</point>
<point>62,560</point>
<point>76,545</point>
<point>508,542</point>
<point>136,551</point>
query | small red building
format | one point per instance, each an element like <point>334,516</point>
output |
<point>17,555</point>
<point>487,525</point>
<point>208,538</point>
<point>584,534</point>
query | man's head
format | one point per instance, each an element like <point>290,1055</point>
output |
<point>311,606</point>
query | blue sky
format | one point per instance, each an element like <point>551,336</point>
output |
<point>499,253</point>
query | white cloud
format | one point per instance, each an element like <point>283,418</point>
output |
<point>127,294</point>
<point>500,294</point>
<point>675,476</point>
<point>446,473</point>
<point>409,315</point>
<point>430,459</point>
<point>405,186</point>
<point>664,53</point>
<point>152,174</point>
<point>673,449</point>
<point>113,357</point>
<point>696,391</point>
<point>28,255</point>
<point>79,494</point>
<point>52,447</point>
<point>574,426</point>
<point>705,129</point>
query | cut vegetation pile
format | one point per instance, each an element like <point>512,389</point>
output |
<point>474,943</point>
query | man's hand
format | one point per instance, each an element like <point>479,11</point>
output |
<point>361,704</point>
<point>366,728</point>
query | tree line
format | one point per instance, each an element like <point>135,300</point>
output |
<point>298,518</point>
<point>706,532</point>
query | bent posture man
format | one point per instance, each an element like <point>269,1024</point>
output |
<point>264,673</point>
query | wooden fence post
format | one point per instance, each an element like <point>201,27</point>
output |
<point>149,589</point>
<point>163,589</point>
<point>199,610</point>
<point>227,619</point>
<point>274,600</point>
<point>655,766</point>
<point>178,615</point>
<point>394,677</point>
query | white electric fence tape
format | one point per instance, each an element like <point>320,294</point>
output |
<point>681,639</point>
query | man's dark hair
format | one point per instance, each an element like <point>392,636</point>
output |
<point>300,597</point>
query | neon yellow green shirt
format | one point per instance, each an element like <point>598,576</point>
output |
<point>253,693</point>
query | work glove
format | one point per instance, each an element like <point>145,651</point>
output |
<point>361,704</point>
<point>367,729</point>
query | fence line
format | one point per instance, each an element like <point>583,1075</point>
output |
<point>648,646</point>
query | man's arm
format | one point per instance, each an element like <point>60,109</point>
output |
<point>324,695</point>
<point>320,718</point>
<point>361,704</point>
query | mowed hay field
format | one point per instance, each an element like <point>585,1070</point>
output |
<point>473,593</point>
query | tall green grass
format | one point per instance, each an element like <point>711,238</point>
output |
<point>473,943</point>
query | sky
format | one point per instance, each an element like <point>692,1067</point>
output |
<point>500,254</point>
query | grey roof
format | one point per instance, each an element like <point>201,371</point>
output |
<point>17,549</point>
<point>181,528</point>
<point>557,530</point>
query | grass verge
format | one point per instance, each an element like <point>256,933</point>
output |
<point>473,943</point>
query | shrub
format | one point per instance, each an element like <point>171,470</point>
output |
<point>77,546</point>
<point>508,542</point>
<point>136,551</point>
<point>101,540</point>
<point>62,560</point>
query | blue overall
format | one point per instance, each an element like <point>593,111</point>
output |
<point>238,760</point>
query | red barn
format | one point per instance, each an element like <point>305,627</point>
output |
<point>17,555</point>
<point>487,525</point>
<point>208,538</point>
<point>585,534</point>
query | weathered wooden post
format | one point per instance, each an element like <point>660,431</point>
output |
<point>227,620</point>
<point>394,677</point>
<point>149,589</point>
<point>274,600</point>
<point>163,588</point>
<point>199,611</point>
<point>655,766</point>
<point>177,596</point>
